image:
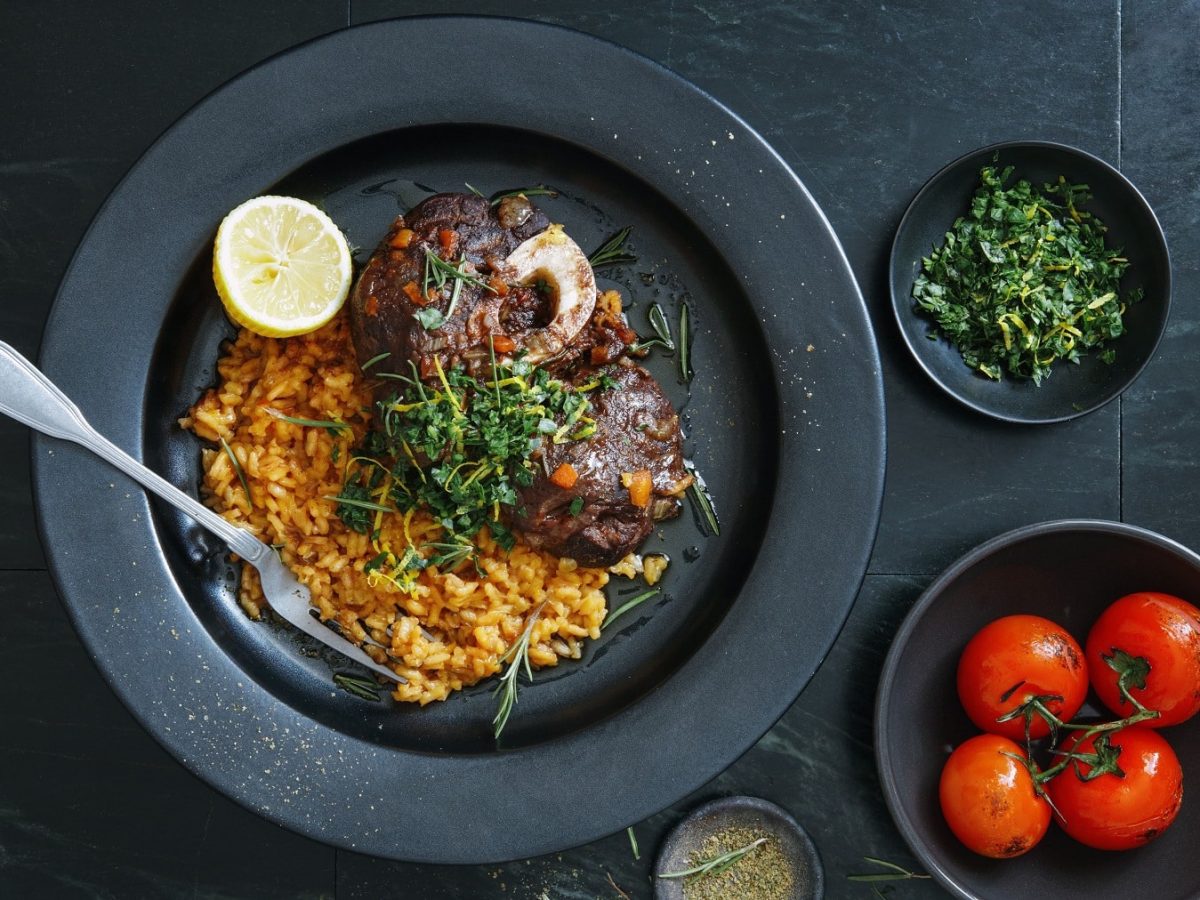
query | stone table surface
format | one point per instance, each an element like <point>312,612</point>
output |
<point>864,101</point>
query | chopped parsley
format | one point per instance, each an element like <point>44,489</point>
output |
<point>1025,279</point>
<point>458,448</point>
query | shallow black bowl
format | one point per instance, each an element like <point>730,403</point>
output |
<point>808,877</point>
<point>1071,390</point>
<point>1067,571</point>
<point>791,442</point>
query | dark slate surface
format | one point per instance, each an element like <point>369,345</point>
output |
<point>865,102</point>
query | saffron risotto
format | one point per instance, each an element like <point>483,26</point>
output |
<point>451,630</point>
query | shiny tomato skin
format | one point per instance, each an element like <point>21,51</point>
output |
<point>1166,631</point>
<point>1119,813</point>
<point>988,798</point>
<point>1013,659</point>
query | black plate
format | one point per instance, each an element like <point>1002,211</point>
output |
<point>1069,572</point>
<point>1071,390</point>
<point>791,441</point>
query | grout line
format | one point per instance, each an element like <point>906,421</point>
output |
<point>1120,153</point>
<point>1120,79</point>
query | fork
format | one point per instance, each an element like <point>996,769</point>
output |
<point>33,399</point>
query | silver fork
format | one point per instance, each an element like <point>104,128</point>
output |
<point>30,397</point>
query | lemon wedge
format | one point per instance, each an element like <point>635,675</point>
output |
<point>281,266</point>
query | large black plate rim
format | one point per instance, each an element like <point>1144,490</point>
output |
<point>902,301</point>
<point>189,694</point>
<point>883,699</point>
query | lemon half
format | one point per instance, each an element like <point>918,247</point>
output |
<point>281,266</point>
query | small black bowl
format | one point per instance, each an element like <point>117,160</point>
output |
<point>1071,390</point>
<point>745,812</point>
<point>1066,571</point>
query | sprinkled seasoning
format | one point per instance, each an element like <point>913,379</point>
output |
<point>763,873</point>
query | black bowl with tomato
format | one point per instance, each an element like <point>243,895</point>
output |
<point>1070,573</point>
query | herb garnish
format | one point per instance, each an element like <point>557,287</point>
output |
<point>363,688</point>
<point>627,606</point>
<point>703,500</point>
<point>335,428</point>
<point>516,656</point>
<point>437,273</point>
<point>612,252</point>
<point>459,448</point>
<point>658,321</point>
<point>897,873</point>
<point>538,191</point>
<point>1025,279</point>
<point>237,468</point>
<point>374,359</point>
<point>717,864</point>
<point>685,343</point>
<point>633,844</point>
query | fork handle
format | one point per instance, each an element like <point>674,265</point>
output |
<point>33,399</point>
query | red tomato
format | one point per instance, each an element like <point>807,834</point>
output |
<point>988,798</point>
<point>1163,630</point>
<point>1013,660</point>
<point>1115,812</point>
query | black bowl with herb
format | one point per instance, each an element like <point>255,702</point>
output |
<point>1032,278</point>
<point>742,847</point>
<point>1067,571</point>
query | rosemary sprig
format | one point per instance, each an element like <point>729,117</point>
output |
<point>237,468</point>
<point>374,359</point>
<point>702,500</point>
<point>612,252</point>
<point>361,504</point>
<point>896,873</point>
<point>717,864</point>
<point>474,190</point>
<point>450,556</point>
<point>627,606</point>
<point>335,427</point>
<point>633,844</point>
<point>516,656</point>
<point>363,688</point>
<point>685,341</point>
<point>658,321</point>
<point>537,191</point>
<point>437,273</point>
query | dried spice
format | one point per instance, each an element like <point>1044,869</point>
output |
<point>762,872</point>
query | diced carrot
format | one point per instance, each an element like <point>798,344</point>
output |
<point>402,238</point>
<point>448,238</point>
<point>502,343</point>
<point>565,476</point>
<point>371,308</point>
<point>414,294</point>
<point>499,285</point>
<point>639,485</point>
<point>599,355</point>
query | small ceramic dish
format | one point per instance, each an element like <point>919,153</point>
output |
<point>740,812</point>
<point>1071,390</point>
<point>1069,572</point>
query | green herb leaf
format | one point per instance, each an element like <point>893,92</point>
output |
<point>517,656</point>
<point>627,606</point>
<point>685,342</point>
<point>612,252</point>
<point>633,844</point>
<point>703,501</point>
<point>658,321</point>
<point>538,191</point>
<point>576,506</point>
<point>363,688</point>
<point>1025,279</point>
<point>897,873</point>
<point>374,359</point>
<point>237,468</point>
<point>717,864</point>
<point>335,428</point>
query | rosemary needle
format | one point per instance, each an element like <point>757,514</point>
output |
<point>626,607</point>
<point>237,467</point>
<point>516,656</point>
<point>717,864</point>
